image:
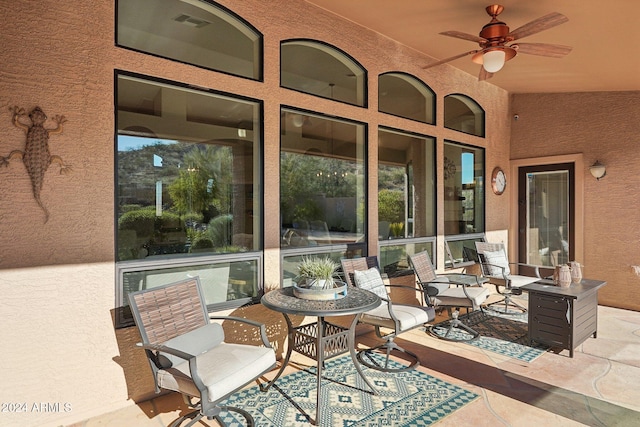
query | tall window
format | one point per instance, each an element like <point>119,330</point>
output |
<point>463,199</point>
<point>196,32</point>
<point>463,189</point>
<point>323,70</point>
<point>463,114</point>
<point>406,197</point>
<point>188,188</point>
<point>322,183</point>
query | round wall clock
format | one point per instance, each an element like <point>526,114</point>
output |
<point>498,181</point>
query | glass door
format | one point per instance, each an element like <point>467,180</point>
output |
<point>546,214</point>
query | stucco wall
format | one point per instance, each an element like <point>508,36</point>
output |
<point>604,127</point>
<point>57,281</point>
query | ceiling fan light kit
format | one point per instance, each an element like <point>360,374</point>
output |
<point>493,60</point>
<point>495,35</point>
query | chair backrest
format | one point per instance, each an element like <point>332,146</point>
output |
<point>422,267</point>
<point>349,266</point>
<point>482,248</point>
<point>165,312</point>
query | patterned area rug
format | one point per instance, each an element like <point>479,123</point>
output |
<point>500,333</point>
<point>409,398</point>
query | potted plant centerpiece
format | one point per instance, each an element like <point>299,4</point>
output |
<point>318,279</point>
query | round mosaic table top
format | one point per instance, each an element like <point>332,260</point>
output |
<point>284,301</point>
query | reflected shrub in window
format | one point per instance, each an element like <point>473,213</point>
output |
<point>321,180</point>
<point>185,176</point>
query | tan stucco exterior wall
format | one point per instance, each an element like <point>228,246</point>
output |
<point>57,279</point>
<point>604,127</point>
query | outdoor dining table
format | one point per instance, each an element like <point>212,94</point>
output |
<point>321,340</point>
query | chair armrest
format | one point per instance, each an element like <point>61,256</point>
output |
<point>164,349</point>
<point>263,330</point>
<point>493,265</point>
<point>535,267</point>
<point>454,282</point>
<point>192,359</point>
<point>430,290</point>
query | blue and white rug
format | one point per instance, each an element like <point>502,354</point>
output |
<point>409,398</point>
<point>499,333</point>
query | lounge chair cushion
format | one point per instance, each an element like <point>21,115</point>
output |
<point>409,316</point>
<point>221,369</point>
<point>455,296</point>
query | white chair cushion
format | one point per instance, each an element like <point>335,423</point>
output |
<point>221,369</point>
<point>409,316</point>
<point>496,260</point>
<point>454,296</point>
<point>371,280</point>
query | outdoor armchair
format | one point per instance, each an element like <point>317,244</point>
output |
<point>447,292</point>
<point>496,267</point>
<point>389,319</point>
<point>188,353</point>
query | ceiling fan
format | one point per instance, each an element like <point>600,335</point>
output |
<point>495,35</point>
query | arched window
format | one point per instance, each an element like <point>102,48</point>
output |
<point>405,96</point>
<point>194,32</point>
<point>463,114</point>
<point>323,70</point>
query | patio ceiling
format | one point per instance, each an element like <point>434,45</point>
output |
<point>605,38</point>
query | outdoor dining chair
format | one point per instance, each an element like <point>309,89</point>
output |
<point>496,267</point>
<point>452,292</point>
<point>188,353</point>
<point>389,319</point>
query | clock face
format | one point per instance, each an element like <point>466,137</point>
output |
<point>498,181</point>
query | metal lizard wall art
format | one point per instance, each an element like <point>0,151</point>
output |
<point>36,156</point>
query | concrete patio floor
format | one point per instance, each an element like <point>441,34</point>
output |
<point>597,387</point>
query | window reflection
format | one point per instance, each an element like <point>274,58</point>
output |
<point>394,258</point>
<point>405,96</point>
<point>461,250</point>
<point>320,69</point>
<point>406,185</point>
<point>463,114</point>
<point>321,180</point>
<point>463,189</point>
<point>187,167</point>
<point>191,31</point>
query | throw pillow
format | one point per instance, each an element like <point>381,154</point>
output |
<point>495,260</point>
<point>371,280</point>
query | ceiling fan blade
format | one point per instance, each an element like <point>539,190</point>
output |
<point>484,74</point>
<point>444,61</point>
<point>543,23</point>
<point>542,49</point>
<point>464,36</point>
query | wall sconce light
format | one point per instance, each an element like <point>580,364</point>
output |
<point>598,170</point>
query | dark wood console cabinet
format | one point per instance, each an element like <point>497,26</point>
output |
<point>563,317</point>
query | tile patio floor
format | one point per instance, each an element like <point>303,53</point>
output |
<point>600,386</point>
